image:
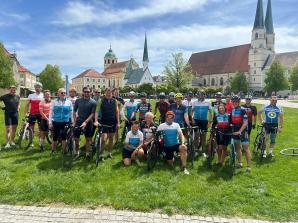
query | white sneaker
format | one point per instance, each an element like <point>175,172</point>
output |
<point>7,146</point>
<point>271,154</point>
<point>12,144</point>
<point>186,172</point>
<point>205,155</point>
<point>264,155</point>
<point>248,170</point>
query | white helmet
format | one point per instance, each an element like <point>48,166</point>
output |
<point>131,93</point>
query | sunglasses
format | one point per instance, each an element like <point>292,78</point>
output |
<point>62,92</point>
<point>87,92</point>
<point>97,92</point>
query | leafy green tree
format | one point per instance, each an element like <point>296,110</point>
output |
<point>162,88</point>
<point>147,88</point>
<point>51,78</point>
<point>126,89</point>
<point>239,83</point>
<point>6,69</point>
<point>294,77</point>
<point>178,72</point>
<point>275,78</point>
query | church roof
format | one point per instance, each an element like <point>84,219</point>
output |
<point>135,76</point>
<point>89,73</point>
<point>115,68</point>
<point>287,59</point>
<point>259,19</point>
<point>268,19</point>
<point>145,53</point>
<point>110,54</point>
<point>220,61</point>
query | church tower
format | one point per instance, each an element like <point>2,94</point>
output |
<point>261,51</point>
<point>269,28</point>
<point>145,54</point>
<point>110,58</point>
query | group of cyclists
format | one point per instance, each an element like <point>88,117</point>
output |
<point>227,119</point>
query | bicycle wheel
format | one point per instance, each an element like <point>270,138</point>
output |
<point>210,151</point>
<point>233,157</point>
<point>49,137</point>
<point>190,148</point>
<point>262,147</point>
<point>152,155</point>
<point>256,143</point>
<point>97,144</point>
<point>26,138</point>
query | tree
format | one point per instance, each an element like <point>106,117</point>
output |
<point>294,77</point>
<point>178,72</point>
<point>6,69</point>
<point>51,78</point>
<point>239,83</point>
<point>147,88</point>
<point>275,78</point>
<point>162,88</point>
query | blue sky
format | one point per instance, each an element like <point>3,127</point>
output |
<point>75,34</point>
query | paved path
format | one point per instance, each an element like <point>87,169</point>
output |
<point>24,214</point>
<point>283,103</point>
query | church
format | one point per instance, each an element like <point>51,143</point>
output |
<point>216,68</point>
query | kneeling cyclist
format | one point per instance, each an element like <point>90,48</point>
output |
<point>173,140</point>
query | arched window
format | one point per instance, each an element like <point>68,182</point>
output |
<point>205,82</point>
<point>114,82</point>
<point>221,81</point>
<point>108,61</point>
<point>109,83</point>
<point>212,82</point>
<point>257,36</point>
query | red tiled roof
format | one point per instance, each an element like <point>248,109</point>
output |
<point>287,59</point>
<point>89,73</point>
<point>220,61</point>
<point>22,69</point>
<point>115,68</point>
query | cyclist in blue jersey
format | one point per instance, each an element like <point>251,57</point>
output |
<point>128,112</point>
<point>239,121</point>
<point>202,115</point>
<point>173,140</point>
<point>180,111</point>
<point>273,122</point>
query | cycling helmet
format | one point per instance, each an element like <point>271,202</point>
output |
<point>172,94</point>
<point>235,98</point>
<point>162,95</point>
<point>218,94</point>
<point>131,93</point>
<point>190,94</point>
<point>248,97</point>
<point>143,94</point>
<point>202,92</point>
<point>178,95</point>
<point>38,84</point>
<point>170,113</point>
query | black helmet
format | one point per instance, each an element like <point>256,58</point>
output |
<point>143,94</point>
<point>190,94</point>
<point>162,95</point>
<point>236,98</point>
<point>218,94</point>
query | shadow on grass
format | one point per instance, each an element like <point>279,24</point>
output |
<point>16,152</point>
<point>262,161</point>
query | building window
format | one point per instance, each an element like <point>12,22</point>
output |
<point>257,36</point>
<point>255,72</point>
<point>93,80</point>
<point>212,82</point>
<point>104,80</point>
<point>108,61</point>
<point>221,81</point>
<point>109,83</point>
<point>93,87</point>
<point>114,83</point>
<point>87,79</point>
<point>255,64</point>
<point>205,82</point>
<point>98,86</point>
<point>254,79</point>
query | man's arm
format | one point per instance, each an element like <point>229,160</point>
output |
<point>118,116</point>
<point>123,111</point>
<point>41,111</point>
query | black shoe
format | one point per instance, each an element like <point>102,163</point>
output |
<point>88,157</point>
<point>41,148</point>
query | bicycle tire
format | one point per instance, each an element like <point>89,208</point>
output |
<point>26,134</point>
<point>256,142</point>
<point>262,147</point>
<point>233,157</point>
<point>289,152</point>
<point>97,144</point>
<point>210,151</point>
<point>152,156</point>
<point>49,137</point>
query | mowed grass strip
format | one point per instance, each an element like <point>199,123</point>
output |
<point>270,192</point>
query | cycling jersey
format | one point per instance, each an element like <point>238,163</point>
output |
<point>221,121</point>
<point>34,100</point>
<point>143,108</point>
<point>238,116</point>
<point>108,110</point>
<point>61,111</point>
<point>45,108</point>
<point>179,111</point>
<point>200,109</point>
<point>163,107</point>
<point>188,105</point>
<point>250,111</point>
<point>170,133</point>
<point>84,107</point>
<point>134,139</point>
<point>11,103</point>
<point>128,109</point>
<point>272,113</point>
<point>229,107</point>
<point>148,130</point>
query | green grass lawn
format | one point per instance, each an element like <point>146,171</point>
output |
<point>270,192</point>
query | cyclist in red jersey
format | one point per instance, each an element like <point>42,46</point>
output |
<point>163,107</point>
<point>229,104</point>
<point>32,106</point>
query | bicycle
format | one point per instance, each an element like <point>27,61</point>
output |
<point>70,144</point>
<point>125,130</point>
<point>154,150</point>
<point>211,148</point>
<point>260,141</point>
<point>190,143</point>
<point>25,134</point>
<point>96,147</point>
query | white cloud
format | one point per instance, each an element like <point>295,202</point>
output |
<point>80,13</point>
<point>74,55</point>
<point>14,17</point>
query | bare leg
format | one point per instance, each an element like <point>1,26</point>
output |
<point>13,132</point>
<point>54,145</point>
<point>63,145</point>
<point>111,140</point>
<point>239,153</point>
<point>77,142</point>
<point>7,134</point>
<point>247,155</point>
<point>103,143</point>
<point>183,155</point>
